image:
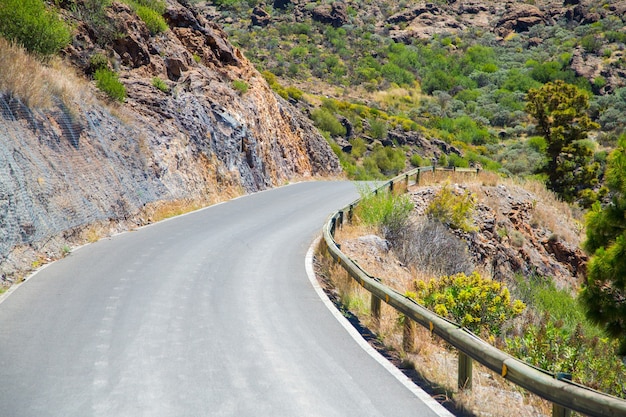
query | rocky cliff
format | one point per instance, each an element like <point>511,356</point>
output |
<point>79,161</point>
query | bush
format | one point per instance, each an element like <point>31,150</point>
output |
<point>30,24</point>
<point>326,121</point>
<point>108,81</point>
<point>150,12</point>
<point>383,209</point>
<point>479,304</point>
<point>153,20</point>
<point>431,248</point>
<point>389,161</point>
<point>452,209</point>
<point>160,84</point>
<point>240,86</point>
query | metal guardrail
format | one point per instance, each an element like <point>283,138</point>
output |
<point>556,388</point>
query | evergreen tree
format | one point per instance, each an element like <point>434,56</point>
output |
<point>604,294</point>
<point>560,110</point>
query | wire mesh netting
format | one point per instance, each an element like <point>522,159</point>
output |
<point>61,169</point>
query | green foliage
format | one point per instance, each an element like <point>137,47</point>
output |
<point>389,161</point>
<point>383,208</point>
<point>560,110</point>
<point>160,84</point>
<point>98,61</point>
<point>240,86</point>
<point>418,161</point>
<point>605,289</point>
<point>480,304</point>
<point>108,82</point>
<point>452,208</point>
<point>154,21</point>
<point>30,24</point>
<point>326,121</point>
<point>151,13</point>
<point>543,295</point>
<point>552,346</point>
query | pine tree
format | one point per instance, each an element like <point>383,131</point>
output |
<point>560,110</point>
<point>604,294</point>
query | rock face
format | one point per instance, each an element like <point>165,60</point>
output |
<point>335,14</point>
<point>260,17</point>
<point>80,163</point>
<point>515,235</point>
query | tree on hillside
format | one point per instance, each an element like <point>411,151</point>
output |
<point>604,294</point>
<point>560,110</point>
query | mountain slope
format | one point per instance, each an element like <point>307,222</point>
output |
<point>73,166</point>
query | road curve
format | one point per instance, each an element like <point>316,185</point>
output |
<point>208,314</point>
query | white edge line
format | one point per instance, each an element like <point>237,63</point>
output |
<point>437,408</point>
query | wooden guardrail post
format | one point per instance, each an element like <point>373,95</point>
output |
<point>375,308</point>
<point>408,335</point>
<point>465,371</point>
<point>417,177</point>
<point>559,410</point>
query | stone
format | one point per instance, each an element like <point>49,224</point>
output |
<point>335,14</point>
<point>260,17</point>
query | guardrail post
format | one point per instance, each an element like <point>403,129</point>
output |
<point>558,410</point>
<point>408,335</point>
<point>465,371</point>
<point>406,181</point>
<point>375,308</point>
<point>417,177</point>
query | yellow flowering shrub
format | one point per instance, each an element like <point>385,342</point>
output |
<point>480,304</point>
<point>452,209</point>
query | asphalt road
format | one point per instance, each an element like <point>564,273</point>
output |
<point>208,314</point>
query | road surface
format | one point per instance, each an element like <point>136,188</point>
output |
<point>208,314</point>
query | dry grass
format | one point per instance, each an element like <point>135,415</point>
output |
<point>162,210</point>
<point>34,83</point>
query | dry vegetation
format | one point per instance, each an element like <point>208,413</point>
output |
<point>432,359</point>
<point>432,363</point>
<point>36,84</point>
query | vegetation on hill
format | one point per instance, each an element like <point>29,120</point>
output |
<point>467,88</point>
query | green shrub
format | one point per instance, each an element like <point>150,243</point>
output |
<point>480,304</point>
<point>591,360</point>
<point>30,24</point>
<point>153,20</point>
<point>383,208</point>
<point>240,86</point>
<point>160,84</point>
<point>98,61</point>
<point>452,209</point>
<point>108,81</point>
<point>151,13</point>
<point>418,161</point>
<point>326,121</point>
<point>389,161</point>
<point>294,93</point>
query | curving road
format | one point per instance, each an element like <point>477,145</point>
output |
<point>208,314</point>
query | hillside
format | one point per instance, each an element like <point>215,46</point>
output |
<point>194,123</point>
<point>519,239</point>
<point>409,83</point>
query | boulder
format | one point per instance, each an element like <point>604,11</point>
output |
<point>335,14</point>
<point>260,17</point>
<point>519,17</point>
